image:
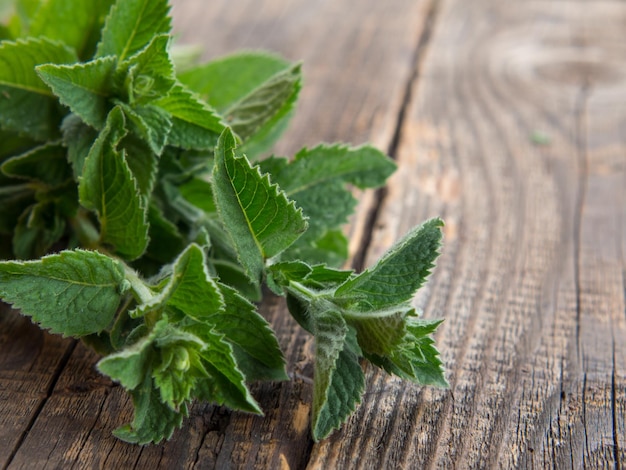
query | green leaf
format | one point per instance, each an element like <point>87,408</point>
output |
<point>415,358</point>
<point>37,230</point>
<point>199,193</point>
<point>268,103</point>
<point>14,144</point>
<point>227,80</point>
<point>130,365</point>
<point>190,288</point>
<point>45,164</point>
<point>324,277</point>
<point>150,123</point>
<point>109,188</point>
<point>252,334</point>
<point>399,273</point>
<point>22,91</point>
<point>153,420</point>
<point>20,58</point>
<point>226,384</point>
<point>75,293</point>
<point>339,380</point>
<point>380,332</point>
<point>166,242</point>
<point>84,88</point>
<point>279,274</point>
<point>260,219</point>
<point>5,33</point>
<point>150,72</point>
<point>194,124</point>
<point>78,138</point>
<point>25,10</point>
<point>74,22</point>
<point>316,179</point>
<point>131,25</point>
<point>364,167</point>
<point>224,81</point>
<point>233,275</point>
<point>178,365</point>
<point>142,161</point>
<point>14,200</point>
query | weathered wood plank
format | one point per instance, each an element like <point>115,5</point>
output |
<point>357,61</point>
<point>531,282</point>
<point>30,361</point>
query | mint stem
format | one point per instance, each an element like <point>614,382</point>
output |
<point>141,292</point>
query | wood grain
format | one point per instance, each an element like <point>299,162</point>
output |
<point>531,282</point>
<point>358,59</point>
<point>508,119</point>
<point>30,362</point>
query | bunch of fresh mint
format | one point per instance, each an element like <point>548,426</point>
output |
<point>130,218</point>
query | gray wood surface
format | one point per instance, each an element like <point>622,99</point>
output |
<point>508,119</point>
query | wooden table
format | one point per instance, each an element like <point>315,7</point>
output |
<point>508,119</point>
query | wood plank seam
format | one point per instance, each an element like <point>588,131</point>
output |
<point>49,391</point>
<point>359,259</point>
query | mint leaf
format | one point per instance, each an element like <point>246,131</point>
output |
<point>317,180</point>
<point>74,22</point>
<point>74,293</point>
<point>166,242</point>
<point>261,221</point>
<point>269,102</point>
<point>142,162</point>
<point>415,358</point>
<point>190,288</point>
<point>131,25</point>
<point>192,294</point>
<point>364,167</point>
<point>46,164</point>
<point>153,420</point>
<point>228,80</point>
<point>225,383</point>
<point>13,144</point>
<point>323,277</point>
<point>232,274</point>
<point>37,230</point>
<point>177,365</point>
<point>84,88</point>
<point>130,365</point>
<point>339,379</point>
<point>399,273</point>
<point>150,123</point>
<point>255,345</point>
<point>199,193</point>
<point>171,355</point>
<point>280,274</point>
<point>380,332</point>
<point>150,72</point>
<point>78,138</point>
<point>224,81</point>
<point>109,188</point>
<point>22,91</point>
<point>330,248</point>
<point>194,124</point>
<point>25,10</point>
<point>14,200</point>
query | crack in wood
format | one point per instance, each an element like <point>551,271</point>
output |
<point>616,452</point>
<point>582,160</point>
<point>54,379</point>
<point>359,259</point>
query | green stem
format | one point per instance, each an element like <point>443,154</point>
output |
<point>302,292</point>
<point>87,234</point>
<point>141,292</point>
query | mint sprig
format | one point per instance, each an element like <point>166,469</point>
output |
<point>137,213</point>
